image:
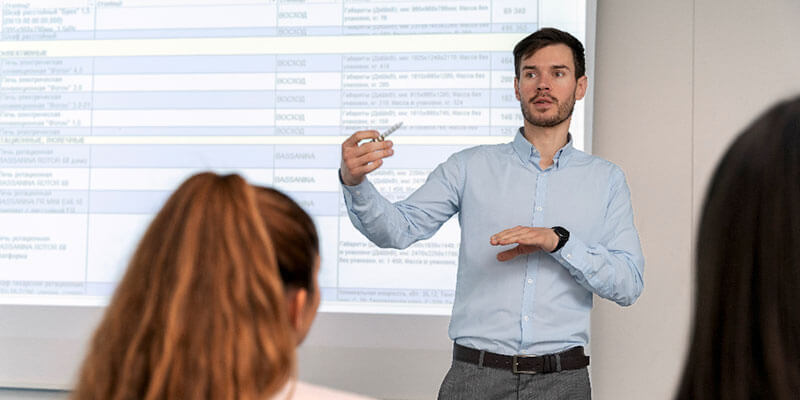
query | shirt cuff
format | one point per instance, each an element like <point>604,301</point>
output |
<point>357,194</point>
<point>572,255</point>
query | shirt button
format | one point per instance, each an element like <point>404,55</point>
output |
<point>358,193</point>
<point>525,318</point>
<point>538,208</point>
<point>569,255</point>
<point>530,280</point>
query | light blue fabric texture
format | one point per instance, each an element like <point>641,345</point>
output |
<point>534,304</point>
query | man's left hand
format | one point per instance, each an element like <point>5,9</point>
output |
<point>528,239</point>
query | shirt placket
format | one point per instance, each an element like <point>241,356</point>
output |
<point>532,266</point>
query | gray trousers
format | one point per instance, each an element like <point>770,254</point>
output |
<point>465,381</point>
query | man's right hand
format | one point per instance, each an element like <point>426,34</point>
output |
<point>359,160</point>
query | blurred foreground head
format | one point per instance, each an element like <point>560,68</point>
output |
<point>746,333</point>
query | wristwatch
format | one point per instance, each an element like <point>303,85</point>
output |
<point>563,236</point>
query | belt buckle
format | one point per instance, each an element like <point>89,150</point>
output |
<point>516,370</point>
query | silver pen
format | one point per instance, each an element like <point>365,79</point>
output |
<point>388,132</point>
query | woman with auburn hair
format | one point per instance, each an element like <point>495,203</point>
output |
<point>746,339</point>
<point>220,291</point>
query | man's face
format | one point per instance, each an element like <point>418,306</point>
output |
<point>546,87</point>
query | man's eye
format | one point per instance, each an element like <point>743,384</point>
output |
<point>531,75</point>
<point>559,74</point>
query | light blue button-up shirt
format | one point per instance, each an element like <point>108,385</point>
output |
<point>533,304</point>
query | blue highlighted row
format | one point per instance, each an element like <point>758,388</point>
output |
<point>72,32</point>
<point>130,202</point>
<point>255,99</point>
<point>10,132</point>
<point>202,157</point>
<point>356,62</point>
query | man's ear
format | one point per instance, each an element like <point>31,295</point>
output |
<point>516,88</point>
<point>580,90</point>
<point>297,298</point>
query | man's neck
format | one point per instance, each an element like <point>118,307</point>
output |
<point>547,140</point>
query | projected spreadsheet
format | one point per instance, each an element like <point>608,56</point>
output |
<point>106,106</point>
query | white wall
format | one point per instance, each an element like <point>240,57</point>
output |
<point>675,81</point>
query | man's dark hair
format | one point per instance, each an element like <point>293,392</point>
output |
<point>545,37</point>
<point>746,334</point>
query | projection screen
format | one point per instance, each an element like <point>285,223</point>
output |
<point>106,106</point>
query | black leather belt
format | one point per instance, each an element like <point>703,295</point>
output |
<point>522,364</point>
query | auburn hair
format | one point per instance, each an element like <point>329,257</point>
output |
<point>201,312</point>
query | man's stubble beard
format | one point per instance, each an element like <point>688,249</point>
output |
<point>564,112</point>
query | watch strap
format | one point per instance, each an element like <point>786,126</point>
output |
<point>563,236</point>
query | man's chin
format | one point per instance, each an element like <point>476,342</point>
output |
<point>545,122</point>
<point>542,121</point>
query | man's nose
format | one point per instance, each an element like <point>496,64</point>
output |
<point>543,85</point>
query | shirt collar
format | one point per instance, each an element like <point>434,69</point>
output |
<point>528,153</point>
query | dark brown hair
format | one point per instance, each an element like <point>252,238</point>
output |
<point>201,312</point>
<point>746,331</point>
<point>545,37</point>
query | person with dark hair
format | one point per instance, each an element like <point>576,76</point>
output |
<point>220,291</point>
<point>746,333</point>
<point>520,316</point>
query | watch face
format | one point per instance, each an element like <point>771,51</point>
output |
<point>563,236</point>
